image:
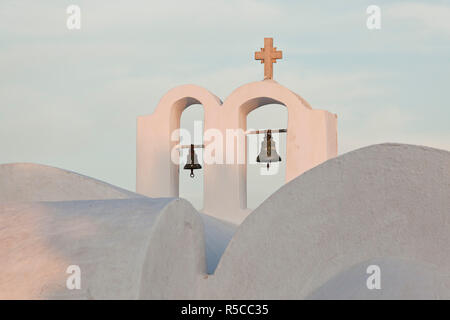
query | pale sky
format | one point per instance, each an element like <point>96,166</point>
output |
<point>70,98</point>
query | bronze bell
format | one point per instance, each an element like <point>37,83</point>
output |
<point>192,162</point>
<point>268,152</point>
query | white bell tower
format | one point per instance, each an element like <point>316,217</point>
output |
<point>311,140</point>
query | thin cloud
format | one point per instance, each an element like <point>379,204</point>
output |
<point>431,17</point>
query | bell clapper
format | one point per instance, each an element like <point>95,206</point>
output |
<point>192,175</point>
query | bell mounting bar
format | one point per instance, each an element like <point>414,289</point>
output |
<point>188,146</point>
<point>266,131</point>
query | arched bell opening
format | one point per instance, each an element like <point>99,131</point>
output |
<point>191,177</point>
<point>262,180</point>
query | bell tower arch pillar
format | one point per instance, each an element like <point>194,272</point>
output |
<point>311,140</point>
<point>157,174</point>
